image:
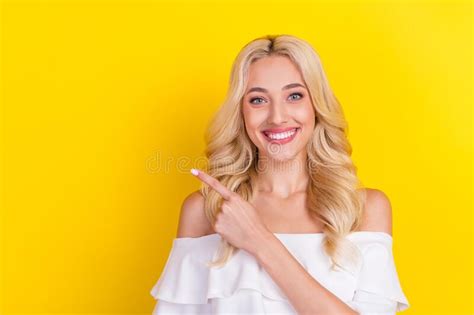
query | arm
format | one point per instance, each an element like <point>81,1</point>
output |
<point>305,293</point>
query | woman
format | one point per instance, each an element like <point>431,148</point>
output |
<point>281,223</point>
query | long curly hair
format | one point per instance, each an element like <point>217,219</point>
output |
<point>335,194</point>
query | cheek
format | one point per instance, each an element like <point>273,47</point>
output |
<point>305,115</point>
<point>253,120</point>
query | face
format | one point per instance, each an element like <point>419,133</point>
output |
<point>278,113</point>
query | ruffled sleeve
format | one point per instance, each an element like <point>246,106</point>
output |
<point>378,289</point>
<point>188,286</point>
<point>185,272</point>
<point>181,286</point>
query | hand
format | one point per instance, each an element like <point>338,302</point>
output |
<point>238,221</point>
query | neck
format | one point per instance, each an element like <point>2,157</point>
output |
<point>282,177</point>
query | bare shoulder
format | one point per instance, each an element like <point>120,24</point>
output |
<point>192,218</point>
<point>377,212</point>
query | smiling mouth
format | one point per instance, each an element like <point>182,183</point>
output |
<point>281,137</point>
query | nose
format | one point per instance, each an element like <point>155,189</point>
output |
<point>277,114</point>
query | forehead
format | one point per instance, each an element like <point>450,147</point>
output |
<point>273,71</point>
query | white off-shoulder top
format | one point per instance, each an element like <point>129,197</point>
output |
<point>242,286</point>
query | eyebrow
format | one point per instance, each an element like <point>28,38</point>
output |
<point>286,87</point>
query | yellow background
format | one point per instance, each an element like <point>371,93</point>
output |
<point>105,104</point>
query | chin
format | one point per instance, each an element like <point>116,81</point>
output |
<point>281,156</point>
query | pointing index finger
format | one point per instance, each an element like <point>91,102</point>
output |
<point>214,183</point>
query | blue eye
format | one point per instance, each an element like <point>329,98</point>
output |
<point>300,95</point>
<point>259,98</point>
<point>255,98</point>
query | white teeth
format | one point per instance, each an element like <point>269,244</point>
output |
<point>281,135</point>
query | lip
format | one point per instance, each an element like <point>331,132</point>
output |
<point>276,130</point>
<point>281,141</point>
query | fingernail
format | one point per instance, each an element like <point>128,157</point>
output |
<point>194,171</point>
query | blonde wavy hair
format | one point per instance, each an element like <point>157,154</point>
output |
<point>334,194</point>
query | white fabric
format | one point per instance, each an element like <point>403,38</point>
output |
<point>242,286</point>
